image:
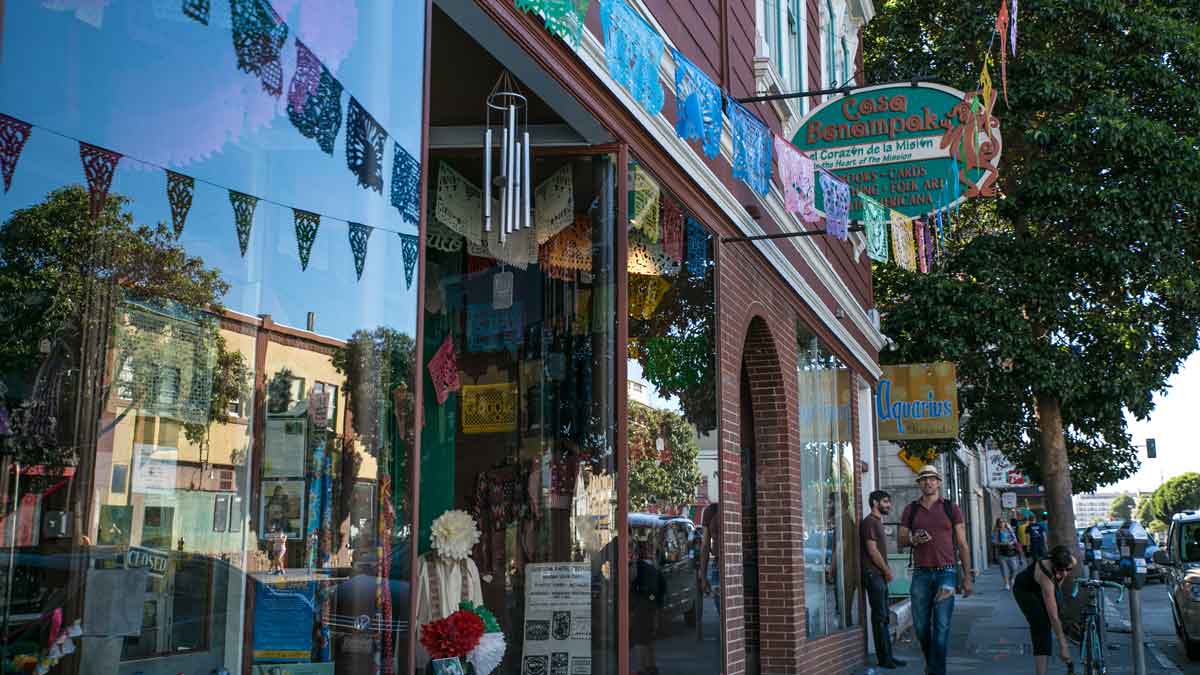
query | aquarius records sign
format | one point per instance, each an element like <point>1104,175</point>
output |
<point>917,401</point>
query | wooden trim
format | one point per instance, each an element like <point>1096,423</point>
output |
<point>258,433</point>
<point>620,399</point>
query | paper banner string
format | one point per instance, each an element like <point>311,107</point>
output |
<point>751,147</point>
<point>697,248</point>
<point>929,250</point>
<point>408,252</point>
<point>243,216</point>
<point>875,221</point>
<point>796,174</point>
<point>406,184</point>
<point>985,80</point>
<point>836,195</point>
<point>459,204</point>
<point>670,219</point>
<point>179,196</point>
<point>697,106</point>
<point>649,258</point>
<point>494,330</point>
<point>922,260</point>
<point>258,37</point>
<point>1002,30</point>
<point>359,234</point>
<point>633,49</point>
<point>489,408</point>
<point>645,294</point>
<point>99,165</point>
<point>902,242</point>
<point>443,371</point>
<point>364,146</point>
<point>441,238</point>
<point>563,18</point>
<point>197,10</point>
<point>569,253</point>
<point>314,100</point>
<point>555,202</point>
<point>307,224</point>
<point>1012,35</point>
<point>13,135</point>
<point>644,205</point>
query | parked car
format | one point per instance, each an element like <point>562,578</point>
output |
<point>672,539</point>
<point>1180,559</point>
<point>1110,563</point>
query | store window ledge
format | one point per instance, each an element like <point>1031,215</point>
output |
<point>767,80</point>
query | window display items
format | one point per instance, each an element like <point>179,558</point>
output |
<point>471,634</point>
<point>508,113</point>
<point>446,575</point>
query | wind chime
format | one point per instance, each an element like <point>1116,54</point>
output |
<point>507,120</point>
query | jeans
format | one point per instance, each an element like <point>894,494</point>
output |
<point>877,598</point>
<point>931,617</point>
<point>1010,566</point>
<point>714,580</point>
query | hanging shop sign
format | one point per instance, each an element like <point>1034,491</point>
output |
<point>917,401</point>
<point>915,149</point>
<point>1001,473</point>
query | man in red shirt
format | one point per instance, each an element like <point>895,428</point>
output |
<point>934,528</point>
<point>877,574</point>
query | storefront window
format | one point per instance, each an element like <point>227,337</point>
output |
<point>674,500</point>
<point>831,561</point>
<point>207,364</point>
<point>519,422</point>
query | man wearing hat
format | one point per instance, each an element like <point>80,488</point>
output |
<point>934,528</point>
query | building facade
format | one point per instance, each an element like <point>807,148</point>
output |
<point>272,318</point>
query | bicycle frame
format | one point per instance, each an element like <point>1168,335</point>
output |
<point>1091,647</point>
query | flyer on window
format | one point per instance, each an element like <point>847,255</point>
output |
<point>558,619</point>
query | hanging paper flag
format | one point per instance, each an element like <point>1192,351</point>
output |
<point>99,165</point>
<point>645,294</point>
<point>796,174</point>
<point>922,261</point>
<point>314,100</point>
<point>563,18</point>
<point>494,330</point>
<point>406,184</point>
<point>554,200</point>
<point>243,216</point>
<point>408,252</point>
<point>925,230</point>
<point>697,106</point>
<point>179,196</point>
<point>902,242</point>
<point>13,135</point>
<point>836,195</point>
<point>307,224</point>
<point>459,204</point>
<point>1002,29</point>
<point>197,10</point>
<point>985,79</point>
<point>671,220</point>
<point>569,253</point>
<point>643,204</point>
<point>364,146</point>
<point>441,238</point>
<point>751,147</point>
<point>258,36</point>
<point>875,221</point>
<point>649,258</point>
<point>633,49</point>
<point>443,370</point>
<point>1012,35</point>
<point>697,248</point>
<point>359,234</point>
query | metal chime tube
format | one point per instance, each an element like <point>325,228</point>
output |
<point>517,187</point>
<point>528,217</point>
<point>511,121</point>
<point>487,180</point>
<point>504,181</point>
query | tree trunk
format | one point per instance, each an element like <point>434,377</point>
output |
<point>1056,479</point>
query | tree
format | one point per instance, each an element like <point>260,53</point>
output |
<point>1121,507</point>
<point>1071,300</point>
<point>665,478</point>
<point>1179,494</point>
<point>1145,510</point>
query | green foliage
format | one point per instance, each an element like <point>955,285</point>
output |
<point>230,382</point>
<point>1174,496</point>
<point>378,366</point>
<point>279,391</point>
<point>1121,507</point>
<point>1081,286</point>
<point>1144,513</point>
<point>669,478</point>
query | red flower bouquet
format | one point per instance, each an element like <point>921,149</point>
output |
<point>454,636</point>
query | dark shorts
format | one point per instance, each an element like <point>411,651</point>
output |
<point>1040,631</point>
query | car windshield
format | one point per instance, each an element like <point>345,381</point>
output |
<point>1189,548</point>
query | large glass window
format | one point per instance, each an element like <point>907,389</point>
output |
<point>674,500</point>
<point>831,572</point>
<point>207,346</point>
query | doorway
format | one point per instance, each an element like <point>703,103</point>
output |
<point>750,599</point>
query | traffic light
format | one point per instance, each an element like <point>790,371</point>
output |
<point>1151,448</point>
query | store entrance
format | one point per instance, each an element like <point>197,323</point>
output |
<point>750,599</point>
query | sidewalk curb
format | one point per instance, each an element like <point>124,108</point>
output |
<point>1164,661</point>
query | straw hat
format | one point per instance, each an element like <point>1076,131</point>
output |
<point>928,471</point>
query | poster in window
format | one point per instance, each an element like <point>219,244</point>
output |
<point>284,456</point>
<point>282,508</point>
<point>221,513</point>
<point>154,470</point>
<point>558,619</point>
<point>283,621</point>
<point>236,514</point>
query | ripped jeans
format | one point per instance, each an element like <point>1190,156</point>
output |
<point>931,616</point>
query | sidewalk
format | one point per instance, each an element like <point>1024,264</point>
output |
<point>989,636</point>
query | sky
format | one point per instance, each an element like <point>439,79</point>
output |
<point>1172,425</point>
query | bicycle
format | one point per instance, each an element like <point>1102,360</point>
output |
<point>1091,647</point>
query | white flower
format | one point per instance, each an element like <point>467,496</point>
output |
<point>454,534</point>
<point>488,654</point>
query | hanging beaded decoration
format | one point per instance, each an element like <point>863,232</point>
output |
<point>307,224</point>
<point>364,146</point>
<point>13,135</point>
<point>258,35</point>
<point>406,184</point>
<point>443,370</point>
<point>441,238</point>
<point>408,252</point>
<point>99,165</point>
<point>563,18</point>
<point>643,205</point>
<point>197,9</point>
<point>902,242</point>
<point>671,220</point>
<point>697,106</point>
<point>697,249</point>
<point>796,174</point>
<point>836,194</point>
<point>314,100</point>
<point>633,49</point>
<point>751,147</point>
<point>555,202</point>
<point>359,234</point>
<point>875,223</point>
<point>179,196</point>
<point>243,216</point>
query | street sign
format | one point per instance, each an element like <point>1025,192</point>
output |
<point>1008,500</point>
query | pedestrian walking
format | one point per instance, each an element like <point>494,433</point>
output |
<point>1037,538</point>
<point>1007,554</point>
<point>934,529</point>
<point>1036,593</point>
<point>710,552</point>
<point>877,574</point>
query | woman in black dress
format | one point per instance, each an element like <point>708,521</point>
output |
<point>1036,592</point>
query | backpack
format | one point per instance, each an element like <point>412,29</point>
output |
<point>912,516</point>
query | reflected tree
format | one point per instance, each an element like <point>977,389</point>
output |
<point>665,478</point>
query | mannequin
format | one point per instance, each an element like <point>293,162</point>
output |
<point>446,575</point>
